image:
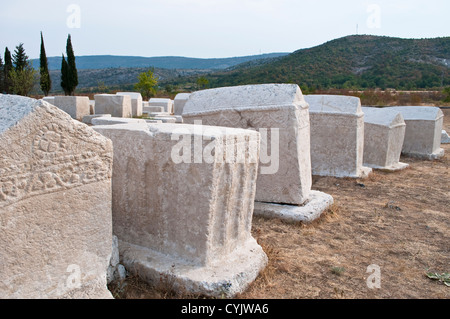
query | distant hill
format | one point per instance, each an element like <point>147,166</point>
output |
<point>359,61</point>
<point>167,62</point>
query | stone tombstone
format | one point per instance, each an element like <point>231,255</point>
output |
<point>108,120</point>
<point>49,99</point>
<point>179,102</point>
<point>136,103</point>
<point>337,136</point>
<point>280,113</point>
<point>116,105</point>
<point>384,133</point>
<point>423,131</point>
<point>445,138</point>
<point>161,102</point>
<point>55,203</point>
<point>76,106</point>
<point>183,204</point>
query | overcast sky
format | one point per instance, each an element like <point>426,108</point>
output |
<point>210,28</point>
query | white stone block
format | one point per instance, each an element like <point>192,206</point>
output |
<point>280,113</point>
<point>154,109</point>
<point>55,203</point>
<point>183,205</point>
<point>337,136</point>
<point>88,118</point>
<point>423,131</point>
<point>76,106</point>
<point>108,120</point>
<point>136,103</point>
<point>384,133</point>
<point>116,105</point>
<point>166,103</point>
<point>445,139</point>
<point>179,102</point>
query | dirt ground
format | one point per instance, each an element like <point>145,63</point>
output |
<point>398,221</point>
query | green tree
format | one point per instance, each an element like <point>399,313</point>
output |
<point>447,95</point>
<point>20,59</point>
<point>65,83</point>
<point>147,84</point>
<point>7,68</point>
<point>45,81</point>
<point>72,73</point>
<point>202,83</point>
<point>2,75</point>
<point>22,80</point>
<point>69,73</point>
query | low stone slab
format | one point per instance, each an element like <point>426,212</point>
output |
<point>88,118</point>
<point>317,203</point>
<point>55,203</point>
<point>108,120</point>
<point>76,106</point>
<point>153,109</point>
<point>183,204</point>
<point>423,131</point>
<point>337,136</point>
<point>116,105</point>
<point>384,134</point>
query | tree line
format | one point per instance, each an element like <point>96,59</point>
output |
<point>17,75</point>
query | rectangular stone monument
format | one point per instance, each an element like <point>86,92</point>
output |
<point>423,131</point>
<point>337,136</point>
<point>116,105</point>
<point>55,203</point>
<point>280,113</point>
<point>136,103</point>
<point>183,205</point>
<point>76,106</point>
<point>384,133</point>
<point>159,102</point>
<point>179,102</point>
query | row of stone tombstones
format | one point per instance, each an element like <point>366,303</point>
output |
<point>179,197</point>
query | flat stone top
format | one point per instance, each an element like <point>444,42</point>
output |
<point>247,97</point>
<point>336,104</point>
<point>134,95</point>
<point>180,129</point>
<point>429,113</point>
<point>159,100</point>
<point>382,116</point>
<point>13,108</point>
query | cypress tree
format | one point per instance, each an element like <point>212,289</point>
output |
<point>7,68</point>
<point>46,82</point>
<point>2,75</point>
<point>64,76</point>
<point>20,59</point>
<point>72,73</point>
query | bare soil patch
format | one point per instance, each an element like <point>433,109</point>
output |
<point>399,221</point>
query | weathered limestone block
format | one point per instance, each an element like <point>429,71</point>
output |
<point>183,204</point>
<point>136,103</point>
<point>280,113</point>
<point>88,118</point>
<point>445,139</point>
<point>384,133</point>
<point>55,203</point>
<point>116,105</point>
<point>337,136</point>
<point>179,102</point>
<point>423,131</point>
<point>49,99</point>
<point>154,109</point>
<point>166,103</point>
<point>76,106</point>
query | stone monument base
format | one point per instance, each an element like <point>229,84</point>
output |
<point>223,279</point>
<point>310,211</point>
